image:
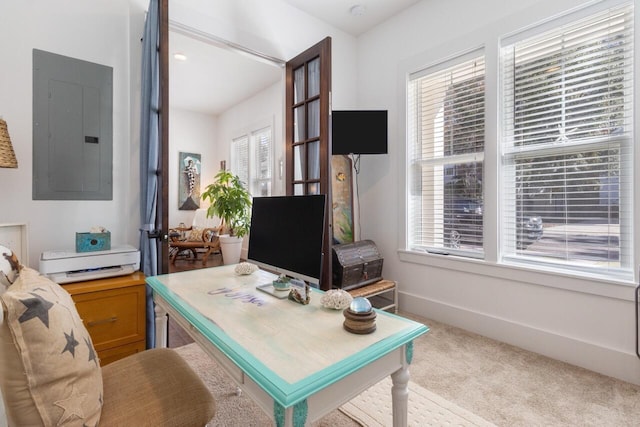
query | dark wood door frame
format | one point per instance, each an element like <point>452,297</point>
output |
<point>321,50</point>
<point>162,217</point>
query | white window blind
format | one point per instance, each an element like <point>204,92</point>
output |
<point>445,113</point>
<point>567,144</point>
<point>252,161</point>
<point>240,158</point>
<point>262,177</point>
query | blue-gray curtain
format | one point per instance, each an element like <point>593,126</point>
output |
<point>149,154</point>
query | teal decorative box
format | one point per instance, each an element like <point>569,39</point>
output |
<point>88,242</point>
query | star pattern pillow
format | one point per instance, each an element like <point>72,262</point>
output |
<point>58,371</point>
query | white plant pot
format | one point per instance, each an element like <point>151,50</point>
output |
<point>231,248</point>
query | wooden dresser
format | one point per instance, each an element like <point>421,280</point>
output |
<point>113,311</point>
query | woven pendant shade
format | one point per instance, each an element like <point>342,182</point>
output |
<point>7,156</point>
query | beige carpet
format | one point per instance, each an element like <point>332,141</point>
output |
<point>504,385</point>
<point>372,408</point>
<point>512,387</point>
<point>234,410</point>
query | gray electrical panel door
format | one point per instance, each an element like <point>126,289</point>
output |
<point>72,128</point>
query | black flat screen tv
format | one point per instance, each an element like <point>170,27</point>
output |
<point>286,235</point>
<point>359,131</point>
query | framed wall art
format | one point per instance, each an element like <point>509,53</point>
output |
<point>189,181</point>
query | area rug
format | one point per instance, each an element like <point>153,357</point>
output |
<point>372,408</point>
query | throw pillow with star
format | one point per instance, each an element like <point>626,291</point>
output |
<point>53,366</point>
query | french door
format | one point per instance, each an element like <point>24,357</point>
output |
<point>308,151</point>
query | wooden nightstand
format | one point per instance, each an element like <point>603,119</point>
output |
<point>114,312</point>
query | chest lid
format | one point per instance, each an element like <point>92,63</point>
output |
<point>361,252</point>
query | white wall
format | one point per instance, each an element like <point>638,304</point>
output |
<point>103,31</point>
<point>265,108</point>
<point>190,132</point>
<point>589,323</point>
<point>108,32</point>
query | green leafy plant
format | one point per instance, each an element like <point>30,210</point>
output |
<point>230,201</point>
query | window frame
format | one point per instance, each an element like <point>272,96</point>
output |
<point>250,135</point>
<point>439,242</point>
<point>511,155</point>
<point>489,38</point>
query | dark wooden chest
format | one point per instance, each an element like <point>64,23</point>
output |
<point>356,264</point>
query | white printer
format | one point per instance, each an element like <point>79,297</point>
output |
<point>67,266</point>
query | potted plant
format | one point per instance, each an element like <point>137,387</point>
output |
<point>231,202</point>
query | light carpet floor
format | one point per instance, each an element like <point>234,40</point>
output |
<point>233,410</point>
<point>505,385</point>
<point>371,408</point>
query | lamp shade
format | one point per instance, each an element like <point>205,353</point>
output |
<point>7,156</point>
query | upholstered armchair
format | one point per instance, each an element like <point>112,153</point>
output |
<point>201,235</point>
<point>50,374</point>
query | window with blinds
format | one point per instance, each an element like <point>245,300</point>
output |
<point>262,177</point>
<point>252,161</point>
<point>240,158</point>
<point>445,143</point>
<point>567,143</point>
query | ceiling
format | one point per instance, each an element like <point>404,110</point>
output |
<point>213,79</point>
<point>227,77</point>
<point>366,13</point>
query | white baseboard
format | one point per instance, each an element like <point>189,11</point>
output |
<point>607,361</point>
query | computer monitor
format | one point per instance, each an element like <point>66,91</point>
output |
<point>286,235</point>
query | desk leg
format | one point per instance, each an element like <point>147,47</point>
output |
<point>295,416</point>
<point>161,326</point>
<point>400,396</point>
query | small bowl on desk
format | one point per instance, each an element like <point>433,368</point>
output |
<point>281,285</point>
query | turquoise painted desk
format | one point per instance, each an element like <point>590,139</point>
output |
<point>295,361</point>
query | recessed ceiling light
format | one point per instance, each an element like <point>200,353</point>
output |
<point>180,56</point>
<point>357,10</point>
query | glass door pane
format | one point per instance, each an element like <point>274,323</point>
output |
<point>313,71</point>
<point>299,125</point>
<point>313,160</point>
<point>298,85</point>
<point>314,119</point>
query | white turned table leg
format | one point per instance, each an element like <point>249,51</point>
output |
<point>400,396</point>
<point>161,327</point>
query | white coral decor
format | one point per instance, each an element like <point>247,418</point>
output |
<point>336,299</point>
<point>245,268</point>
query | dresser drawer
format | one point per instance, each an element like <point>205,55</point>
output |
<point>113,317</point>
<point>114,312</point>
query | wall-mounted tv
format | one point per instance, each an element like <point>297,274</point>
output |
<point>286,235</point>
<point>359,131</point>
